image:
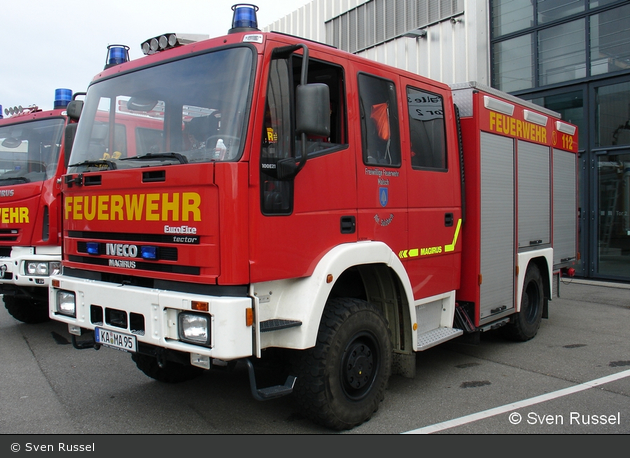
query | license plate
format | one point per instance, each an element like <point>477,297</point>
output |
<point>115,339</point>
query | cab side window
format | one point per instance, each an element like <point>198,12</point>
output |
<point>379,121</point>
<point>426,129</point>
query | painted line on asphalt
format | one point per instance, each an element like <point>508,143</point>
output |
<point>518,405</point>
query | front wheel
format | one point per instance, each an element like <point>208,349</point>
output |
<point>525,324</point>
<point>27,310</point>
<point>342,380</point>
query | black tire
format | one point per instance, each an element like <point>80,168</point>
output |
<point>525,324</point>
<point>342,380</point>
<point>27,310</point>
<point>170,372</point>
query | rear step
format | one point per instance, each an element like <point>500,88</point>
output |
<point>271,392</point>
<point>436,337</point>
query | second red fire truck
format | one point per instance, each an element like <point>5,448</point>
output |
<point>31,165</point>
<point>310,207</point>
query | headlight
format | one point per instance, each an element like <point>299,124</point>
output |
<point>37,268</point>
<point>42,269</point>
<point>194,328</point>
<point>66,304</point>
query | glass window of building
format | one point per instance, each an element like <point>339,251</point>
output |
<point>612,115</point>
<point>513,64</point>
<point>509,16</point>
<point>562,53</point>
<point>552,10</point>
<point>610,41</point>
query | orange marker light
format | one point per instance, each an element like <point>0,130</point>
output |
<point>200,306</point>
<point>249,317</point>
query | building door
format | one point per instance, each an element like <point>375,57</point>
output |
<point>610,161</point>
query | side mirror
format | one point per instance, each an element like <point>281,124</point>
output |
<point>313,109</point>
<point>74,109</point>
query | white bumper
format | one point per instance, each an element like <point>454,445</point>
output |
<point>13,268</point>
<point>230,337</point>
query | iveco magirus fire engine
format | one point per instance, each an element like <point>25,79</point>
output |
<point>31,163</point>
<point>309,207</point>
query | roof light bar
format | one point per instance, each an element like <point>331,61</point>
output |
<point>244,18</point>
<point>116,54</point>
<point>11,111</point>
<point>168,41</point>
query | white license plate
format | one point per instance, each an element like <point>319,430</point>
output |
<point>115,339</point>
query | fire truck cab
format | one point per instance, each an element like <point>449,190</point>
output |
<point>31,163</point>
<point>308,206</point>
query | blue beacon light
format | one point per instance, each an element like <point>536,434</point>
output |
<point>244,18</point>
<point>62,98</point>
<point>117,54</point>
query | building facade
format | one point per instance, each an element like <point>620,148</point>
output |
<point>571,56</point>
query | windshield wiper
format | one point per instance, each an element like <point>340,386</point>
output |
<point>150,156</point>
<point>98,163</point>
<point>22,179</point>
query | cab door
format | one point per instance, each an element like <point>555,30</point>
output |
<point>381,177</point>
<point>432,256</point>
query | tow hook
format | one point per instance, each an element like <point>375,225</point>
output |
<point>84,344</point>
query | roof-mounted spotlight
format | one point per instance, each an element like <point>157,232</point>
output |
<point>116,54</point>
<point>170,40</point>
<point>244,18</point>
<point>418,33</point>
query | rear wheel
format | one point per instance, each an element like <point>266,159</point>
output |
<point>168,372</point>
<point>525,324</point>
<point>342,380</point>
<point>27,310</point>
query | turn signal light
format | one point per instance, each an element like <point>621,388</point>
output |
<point>200,306</point>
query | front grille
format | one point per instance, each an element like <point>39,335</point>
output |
<point>139,265</point>
<point>8,235</point>
<point>163,253</point>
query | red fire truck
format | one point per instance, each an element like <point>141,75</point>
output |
<point>310,214</point>
<point>31,163</point>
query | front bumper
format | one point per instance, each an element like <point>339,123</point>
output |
<point>152,316</point>
<point>13,269</point>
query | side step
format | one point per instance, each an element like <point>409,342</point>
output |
<point>277,324</point>
<point>271,392</point>
<point>436,337</point>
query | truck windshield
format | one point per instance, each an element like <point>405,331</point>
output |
<point>189,110</point>
<point>29,151</point>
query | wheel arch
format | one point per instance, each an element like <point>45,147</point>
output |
<point>542,259</point>
<point>364,270</point>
